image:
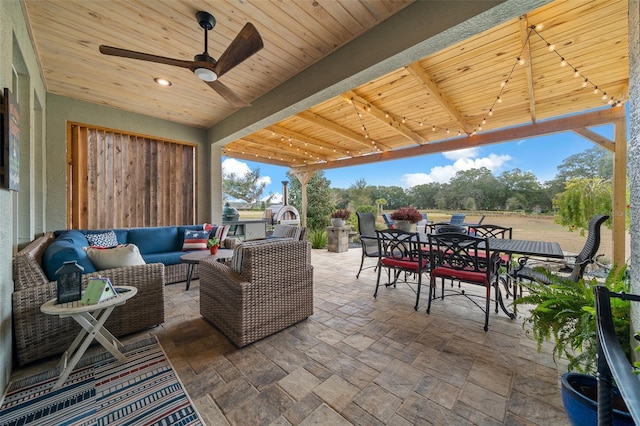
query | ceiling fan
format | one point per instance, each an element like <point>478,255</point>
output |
<point>207,69</point>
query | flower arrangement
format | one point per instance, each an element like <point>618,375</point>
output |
<point>407,213</point>
<point>343,214</point>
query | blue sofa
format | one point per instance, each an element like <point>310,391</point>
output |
<point>162,244</point>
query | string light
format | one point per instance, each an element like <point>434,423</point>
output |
<point>563,63</point>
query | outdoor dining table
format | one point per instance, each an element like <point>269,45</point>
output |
<point>525,248</point>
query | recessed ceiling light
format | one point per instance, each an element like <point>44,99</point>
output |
<point>162,81</point>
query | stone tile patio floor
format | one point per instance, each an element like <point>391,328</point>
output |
<point>365,361</point>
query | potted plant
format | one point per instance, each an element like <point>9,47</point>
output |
<point>213,244</point>
<point>564,313</point>
<point>404,217</point>
<point>339,216</point>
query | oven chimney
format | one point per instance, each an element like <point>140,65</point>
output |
<point>285,193</point>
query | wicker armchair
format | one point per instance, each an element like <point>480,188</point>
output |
<point>38,335</point>
<point>273,290</point>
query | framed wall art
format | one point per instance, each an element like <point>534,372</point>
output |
<point>9,142</point>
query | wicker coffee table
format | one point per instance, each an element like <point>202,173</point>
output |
<point>194,257</point>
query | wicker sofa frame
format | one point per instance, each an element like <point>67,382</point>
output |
<point>39,336</point>
<point>273,290</point>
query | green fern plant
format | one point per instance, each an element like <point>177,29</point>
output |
<point>564,313</point>
<point>318,238</point>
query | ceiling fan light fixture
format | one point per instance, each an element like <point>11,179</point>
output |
<point>205,74</point>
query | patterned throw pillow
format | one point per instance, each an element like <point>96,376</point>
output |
<point>218,231</point>
<point>195,240</point>
<point>102,239</point>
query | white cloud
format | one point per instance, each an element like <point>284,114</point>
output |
<point>463,161</point>
<point>233,166</point>
<point>461,153</point>
<point>277,198</point>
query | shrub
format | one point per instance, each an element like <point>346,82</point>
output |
<point>318,238</point>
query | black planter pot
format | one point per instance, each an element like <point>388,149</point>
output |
<point>579,397</point>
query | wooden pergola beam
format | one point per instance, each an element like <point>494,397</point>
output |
<point>432,88</point>
<point>337,129</point>
<point>366,107</point>
<point>595,118</point>
<point>596,138</point>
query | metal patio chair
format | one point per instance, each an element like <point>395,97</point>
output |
<point>368,238</point>
<point>400,252</point>
<point>465,259</point>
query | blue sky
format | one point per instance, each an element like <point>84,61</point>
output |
<point>540,155</point>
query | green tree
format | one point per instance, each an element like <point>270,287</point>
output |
<point>480,185</point>
<point>582,199</point>
<point>595,162</point>
<point>359,193</point>
<point>424,196</point>
<point>319,200</point>
<point>380,203</point>
<point>395,196</point>
<point>248,187</point>
<point>524,187</point>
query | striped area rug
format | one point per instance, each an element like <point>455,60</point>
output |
<point>101,391</point>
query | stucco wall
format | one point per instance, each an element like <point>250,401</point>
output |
<point>16,52</point>
<point>62,109</point>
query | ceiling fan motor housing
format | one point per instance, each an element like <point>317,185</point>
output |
<point>206,20</point>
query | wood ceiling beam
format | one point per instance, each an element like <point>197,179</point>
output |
<point>525,34</point>
<point>369,109</point>
<point>267,143</point>
<point>250,157</point>
<point>283,148</point>
<point>596,118</point>
<point>430,86</point>
<point>301,137</point>
<point>596,138</point>
<point>339,130</point>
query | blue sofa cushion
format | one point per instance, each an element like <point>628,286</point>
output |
<point>68,246</point>
<point>161,239</point>
<point>170,258</point>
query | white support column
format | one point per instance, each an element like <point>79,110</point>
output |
<point>215,170</point>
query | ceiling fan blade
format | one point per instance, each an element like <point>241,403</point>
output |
<point>228,94</point>
<point>124,53</point>
<point>246,43</point>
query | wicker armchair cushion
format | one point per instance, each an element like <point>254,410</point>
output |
<point>238,252</point>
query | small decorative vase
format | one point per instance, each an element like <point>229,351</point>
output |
<point>403,225</point>
<point>337,222</point>
<point>214,249</point>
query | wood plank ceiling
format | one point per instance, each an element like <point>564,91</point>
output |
<point>470,88</point>
<point>477,85</point>
<point>296,34</point>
